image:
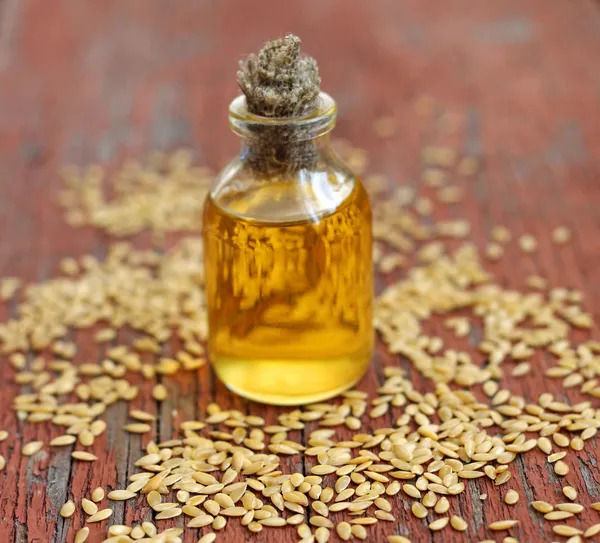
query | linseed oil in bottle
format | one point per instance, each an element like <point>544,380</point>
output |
<point>287,236</point>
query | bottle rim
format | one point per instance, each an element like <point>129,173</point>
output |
<point>319,122</point>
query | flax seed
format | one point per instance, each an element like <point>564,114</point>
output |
<point>558,515</point>
<point>67,509</point>
<point>574,508</point>
<point>100,516</point>
<point>89,506</point>
<point>82,535</point>
<point>438,524</point>
<point>592,531</point>
<point>344,531</point>
<point>84,456</point>
<point>32,448</point>
<point>567,531</point>
<point>458,523</point>
<point>511,497</point>
<point>419,510</point>
<point>200,521</point>
<point>120,495</point>
<point>570,492</point>
<point>208,538</point>
<point>502,525</point>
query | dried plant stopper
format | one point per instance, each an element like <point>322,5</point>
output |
<point>279,83</point>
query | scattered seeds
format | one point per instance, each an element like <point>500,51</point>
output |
<point>84,456</point>
<point>67,509</point>
<point>32,448</point>
<point>159,392</point>
<point>97,494</point>
<point>100,515</point>
<point>439,439</point>
<point>567,531</point>
<point>502,525</point>
<point>137,428</point>
<point>561,235</point>
<point>170,513</point>
<point>527,243</point>
<point>61,441</point>
<point>512,497</point>
<point>542,507</point>
<point>89,506</point>
<point>119,495</point>
<point>592,531</point>
<point>458,523</point>
<point>419,510</point>
<point>82,535</point>
<point>558,515</point>
<point>438,524</point>
<point>570,492</point>
<point>344,530</point>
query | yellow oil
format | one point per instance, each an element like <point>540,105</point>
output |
<point>289,292</point>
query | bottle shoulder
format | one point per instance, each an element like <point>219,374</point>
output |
<point>307,194</point>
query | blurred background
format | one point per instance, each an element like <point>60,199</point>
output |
<point>83,81</point>
<point>514,84</point>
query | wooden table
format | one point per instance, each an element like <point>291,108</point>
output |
<point>101,81</point>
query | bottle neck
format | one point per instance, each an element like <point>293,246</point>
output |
<point>274,156</point>
<point>282,146</point>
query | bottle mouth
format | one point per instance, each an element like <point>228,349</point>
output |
<point>319,122</point>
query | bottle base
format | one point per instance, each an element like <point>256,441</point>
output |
<point>290,382</point>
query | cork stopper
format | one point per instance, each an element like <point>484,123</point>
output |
<point>278,82</point>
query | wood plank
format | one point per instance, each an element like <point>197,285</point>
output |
<point>102,81</point>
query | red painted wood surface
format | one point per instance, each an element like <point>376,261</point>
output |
<point>104,80</point>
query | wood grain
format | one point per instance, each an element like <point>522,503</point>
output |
<point>101,81</point>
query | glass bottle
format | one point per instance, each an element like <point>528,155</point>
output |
<point>288,265</point>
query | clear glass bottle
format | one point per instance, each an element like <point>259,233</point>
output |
<point>288,265</point>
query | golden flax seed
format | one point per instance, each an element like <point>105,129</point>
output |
<point>67,509</point>
<point>458,523</point>
<point>442,506</point>
<point>574,508</point>
<point>208,538</point>
<point>500,525</point>
<point>63,440</point>
<point>97,494</point>
<point>560,468</point>
<point>84,456</point>
<point>137,428</point>
<point>567,531</point>
<point>542,506</point>
<point>419,510</point>
<point>159,392</point>
<point>82,535</point>
<point>120,495</point>
<point>561,235</point>
<point>570,492</point>
<point>89,506</point>
<point>32,448</point>
<point>200,521</point>
<point>512,497</point>
<point>558,515</point>
<point>100,516</point>
<point>592,531</point>
<point>344,530</point>
<point>438,524</point>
